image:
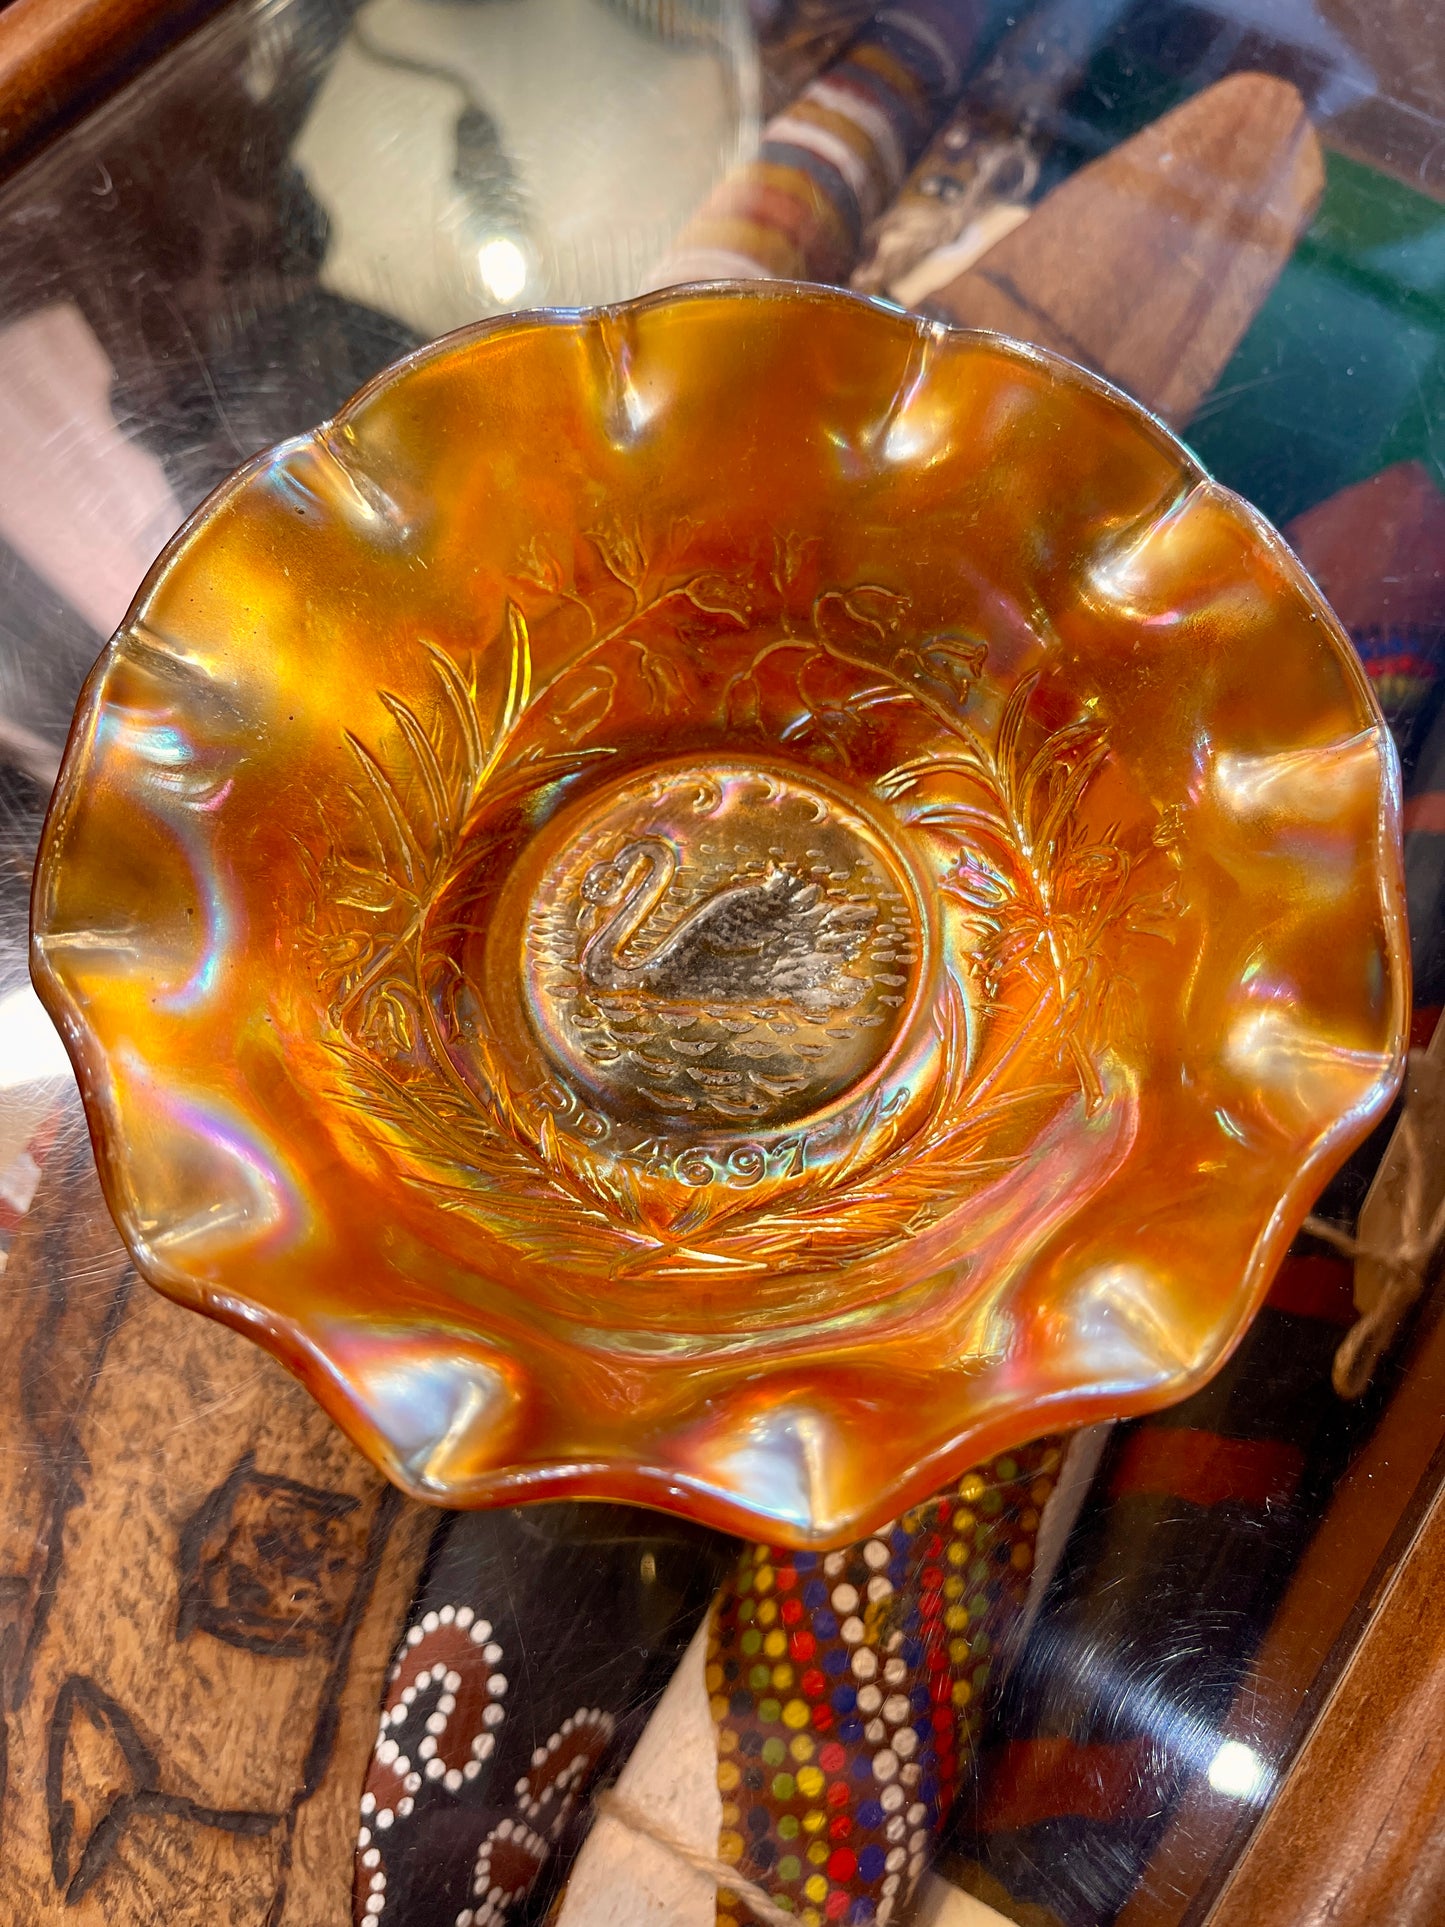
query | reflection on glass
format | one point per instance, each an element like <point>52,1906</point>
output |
<point>503,268</point>
<point>1237,1771</point>
<point>469,158</point>
<point>30,1049</point>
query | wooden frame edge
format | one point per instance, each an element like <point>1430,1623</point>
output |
<point>1354,1834</point>
<point>59,58</point>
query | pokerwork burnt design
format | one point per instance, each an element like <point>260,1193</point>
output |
<point>693,868</point>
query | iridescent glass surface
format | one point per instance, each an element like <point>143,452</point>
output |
<point>742,902</point>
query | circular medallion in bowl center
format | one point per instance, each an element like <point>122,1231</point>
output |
<point>719,944</point>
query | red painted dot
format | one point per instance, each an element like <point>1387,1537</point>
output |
<point>932,1578</point>
<point>822,1719</point>
<point>802,1645</point>
<point>792,1611</point>
<point>837,1794</point>
<point>832,1759</point>
<point>787,1578</point>
<point>813,1683</point>
<point>942,1723</point>
<point>835,1904</point>
<point>839,1827</point>
<point>843,1864</point>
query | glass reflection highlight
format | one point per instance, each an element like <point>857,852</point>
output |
<point>699,926</point>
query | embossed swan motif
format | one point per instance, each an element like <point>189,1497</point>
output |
<point>773,938</point>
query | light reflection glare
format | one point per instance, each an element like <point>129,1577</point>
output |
<point>1318,784</point>
<point>1237,1771</point>
<point>503,268</point>
<point>30,1046</point>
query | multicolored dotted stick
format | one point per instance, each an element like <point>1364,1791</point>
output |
<point>847,1690</point>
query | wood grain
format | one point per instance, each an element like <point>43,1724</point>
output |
<point>1351,1563</point>
<point>1149,264</point>
<point>58,57</point>
<point>1354,1836</point>
<point>200,1582</point>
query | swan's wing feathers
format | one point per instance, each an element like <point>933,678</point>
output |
<point>847,928</point>
<point>736,920</point>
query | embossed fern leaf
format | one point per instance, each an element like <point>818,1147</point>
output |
<point>856,1207</point>
<point>1043,890</point>
<point>416,800</point>
<point>460,1144</point>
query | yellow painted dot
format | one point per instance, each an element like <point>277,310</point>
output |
<point>727,1775</point>
<point>970,1489</point>
<point>953,1587</point>
<point>1021,1558</point>
<point>810,1917</point>
<point>958,1651</point>
<point>731,1813</point>
<point>810,1782</point>
<point>795,1713</point>
<point>957,1552</point>
<point>730,1847</point>
<point>813,1819</point>
<point>963,1521</point>
<point>714,1677</point>
<point>776,1643</point>
<point>1050,1461</point>
<point>727,1739</point>
<point>801,1746</point>
<point>816,1887</point>
<point>783,1676</point>
<point>962,1692</point>
<point>719,1706</point>
<point>763,1579</point>
<point>1029,1519</point>
<point>956,1618</point>
<point>767,1612</point>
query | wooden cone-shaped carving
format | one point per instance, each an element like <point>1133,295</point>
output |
<point>1149,264</point>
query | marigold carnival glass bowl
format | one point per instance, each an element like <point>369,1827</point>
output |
<point>732,902</point>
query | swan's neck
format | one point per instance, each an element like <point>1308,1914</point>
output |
<point>650,871</point>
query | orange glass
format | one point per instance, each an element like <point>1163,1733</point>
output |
<point>734,902</point>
